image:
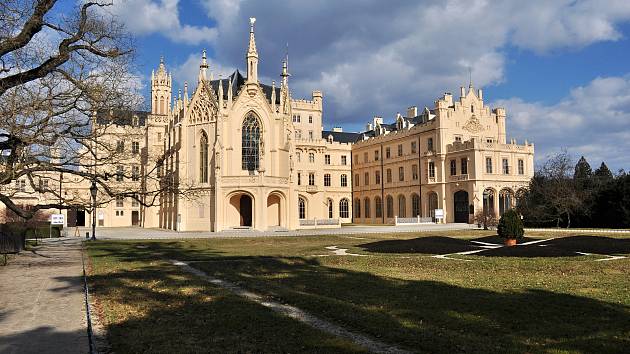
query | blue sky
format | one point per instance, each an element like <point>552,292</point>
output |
<point>561,68</point>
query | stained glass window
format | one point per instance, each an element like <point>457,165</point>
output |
<point>251,142</point>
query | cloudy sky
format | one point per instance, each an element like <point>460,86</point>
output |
<point>561,67</point>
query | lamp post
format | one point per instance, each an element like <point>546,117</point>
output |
<point>93,191</point>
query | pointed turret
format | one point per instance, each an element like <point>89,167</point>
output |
<point>203,68</point>
<point>220,91</point>
<point>285,100</point>
<point>252,55</point>
<point>160,89</point>
<point>185,93</point>
<point>273,95</point>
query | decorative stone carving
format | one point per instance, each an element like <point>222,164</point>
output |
<point>473,125</point>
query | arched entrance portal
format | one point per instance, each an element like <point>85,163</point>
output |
<point>273,210</point>
<point>460,204</point>
<point>245,209</point>
<point>241,210</point>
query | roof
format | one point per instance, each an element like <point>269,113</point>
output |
<point>121,117</point>
<point>341,137</point>
<point>239,81</point>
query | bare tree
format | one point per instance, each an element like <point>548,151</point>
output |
<point>65,84</point>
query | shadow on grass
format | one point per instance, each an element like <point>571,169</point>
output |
<point>157,308</point>
<point>425,245</point>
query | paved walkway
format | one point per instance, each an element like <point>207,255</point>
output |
<point>41,300</point>
<point>125,233</point>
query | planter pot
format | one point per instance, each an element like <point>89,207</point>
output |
<point>510,242</point>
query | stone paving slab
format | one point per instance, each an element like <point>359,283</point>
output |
<point>41,300</point>
<point>134,233</point>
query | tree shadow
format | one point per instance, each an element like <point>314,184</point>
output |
<point>45,340</point>
<point>424,245</point>
<point>156,307</point>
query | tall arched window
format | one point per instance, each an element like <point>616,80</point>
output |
<point>203,158</point>
<point>162,110</point>
<point>366,207</point>
<point>488,202</point>
<point>301,208</point>
<point>433,203</point>
<point>357,208</point>
<point>401,206</point>
<point>251,142</point>
<point>415,205</point>
<point>505,201</point>
<point>378,207</point>
<point>343,208</point>
<point>390,206</point>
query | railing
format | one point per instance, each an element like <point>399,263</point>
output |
<point>463,177</point>
<point>311,189</point>
<point>315,223</point>
<point>430,179</point>
<point>412,221</point>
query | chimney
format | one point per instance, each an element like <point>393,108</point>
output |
<point>412,111</point>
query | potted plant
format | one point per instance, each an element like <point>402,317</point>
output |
<point>510,227</point>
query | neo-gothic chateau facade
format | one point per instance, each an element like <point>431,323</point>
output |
<point>248,155</point>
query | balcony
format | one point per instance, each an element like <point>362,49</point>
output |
<point>312,189</point>
<point>458,178</point>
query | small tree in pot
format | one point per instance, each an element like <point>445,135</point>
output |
<point>510,227</point>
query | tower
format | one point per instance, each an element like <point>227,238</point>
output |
<point>160,90</point>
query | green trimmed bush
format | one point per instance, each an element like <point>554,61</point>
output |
<point>510,225</point>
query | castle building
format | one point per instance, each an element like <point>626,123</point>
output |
<point>453,157</point>
<point>238,153</point>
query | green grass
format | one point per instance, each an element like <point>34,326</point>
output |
<point>542,299</point>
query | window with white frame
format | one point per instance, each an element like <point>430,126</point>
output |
<point>327,180</point>
<point>311,179</point>
<point>344,180</point>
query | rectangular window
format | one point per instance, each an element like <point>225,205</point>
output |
<point>356,180</point>
<point>366,178</point>
<point>400,150</point>
<point>46,184</point>
<point>389,175</point>
<point>298,134</point>
<point>414,172</point>
<point>344,160</point>
<point>464,166</point>
<point>432,169</point>
<point>376,155</point>
<point>299,119</point>
<point>311,157</point>
<point>488,165</point>
<point>310,119</point>
<point>365,157</point>
<point>506,167</point>
<point>388,153</point>
<point>458,138</point>
<point>489,140</point>
<point>327,180</point>
<point>453,168</point>
<point>414,148</point>
<point>311,179</point>
<point>299,179</point>
<point>135,173</point>
<point>327,159</point>
<point>120,171</point>
<point>430,144</point>
<point>401,173</point>
<point>521,167</point>
<point>134,203</point>
<point>159,138</point>
<point>120,202</point>
<point>344,180</point>
<point>135,147</point>
<point>377,177</point>
<point>120,146</point>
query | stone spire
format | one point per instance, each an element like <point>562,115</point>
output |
<point>220,93</point>
<point>273,95</point>
<point>285,100</point>
<point>203,68</point>
<point>252,55</point>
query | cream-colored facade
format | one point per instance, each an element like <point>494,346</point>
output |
<point>238,153</point>
<point>249,155</point>
<point>453,157</point>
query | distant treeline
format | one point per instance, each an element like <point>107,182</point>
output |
<point>562,194</point>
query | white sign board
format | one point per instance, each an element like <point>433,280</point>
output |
<point>439,213</point>
<point>57,219</point>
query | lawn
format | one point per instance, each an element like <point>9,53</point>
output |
<point>539,298</point>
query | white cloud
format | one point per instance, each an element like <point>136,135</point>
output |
<point>188,71</point>
<point>143,17</point>
<point>593,120</point>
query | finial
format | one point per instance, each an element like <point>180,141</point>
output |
<point>470,76</point>
<point>161,59</point>
<point>252,20</point>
